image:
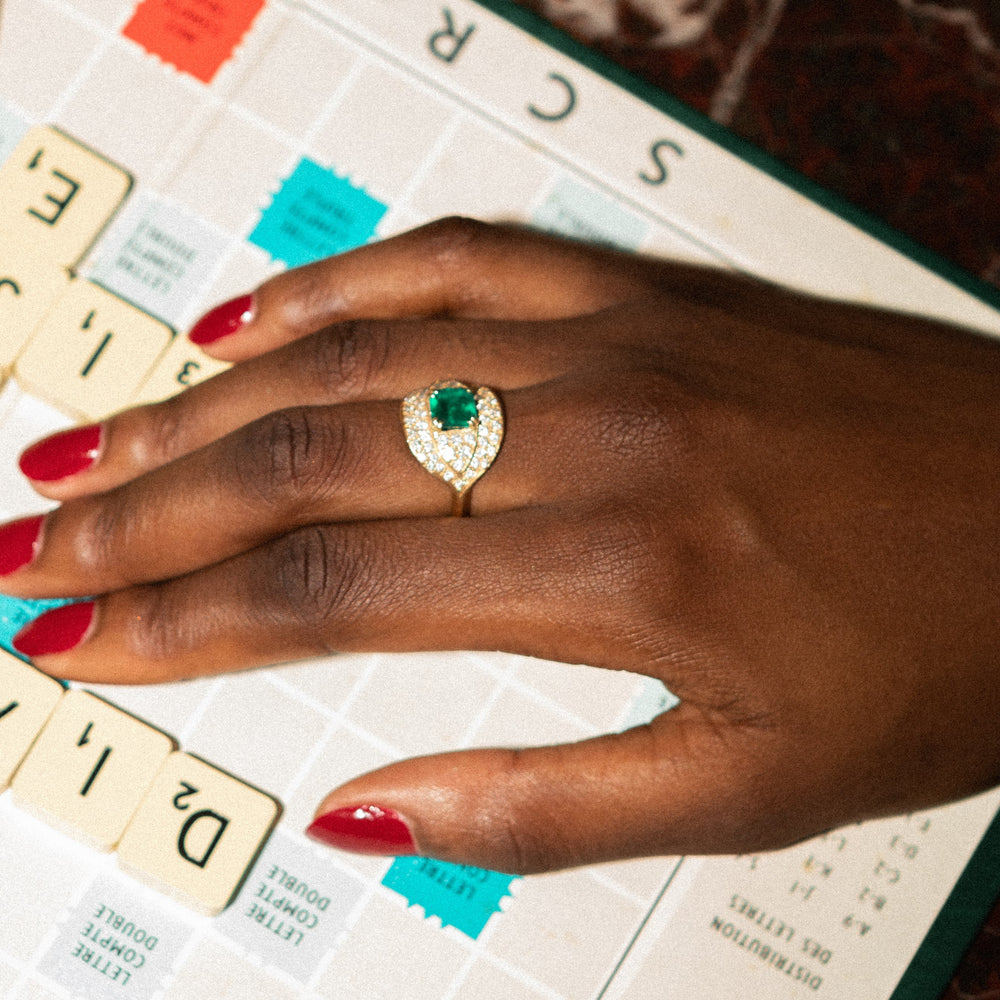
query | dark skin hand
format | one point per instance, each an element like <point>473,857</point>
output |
<point>785,509</point>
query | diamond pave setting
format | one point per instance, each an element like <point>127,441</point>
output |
<point>459,455</point>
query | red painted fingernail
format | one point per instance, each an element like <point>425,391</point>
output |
<point>363,830</point>
<point>19,542</point>
<point>63,454</point>
<point>222,321</point>
<point>56,631</point>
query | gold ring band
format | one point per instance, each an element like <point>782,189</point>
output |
<point>454,432</point>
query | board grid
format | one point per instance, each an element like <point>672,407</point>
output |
<point>396,113</point>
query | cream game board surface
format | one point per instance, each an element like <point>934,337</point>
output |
<point>164,155</point>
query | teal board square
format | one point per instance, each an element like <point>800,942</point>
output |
<point>15,613</point>
<point>459,895</point>
<point>316,213</point>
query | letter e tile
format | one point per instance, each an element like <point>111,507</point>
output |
<point>56,195</point>
<point>27,699</point>
<point>197,833</point>
<point>89,769</point>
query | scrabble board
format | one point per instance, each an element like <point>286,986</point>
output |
<point>159,156</point>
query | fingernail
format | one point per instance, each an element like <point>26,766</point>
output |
<point>63,454</point>
<point>222,320</point>
<point>19,543</point>
<point>56,631</point>
<point>363,830</point>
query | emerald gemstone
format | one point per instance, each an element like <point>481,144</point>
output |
<point>453,407</point>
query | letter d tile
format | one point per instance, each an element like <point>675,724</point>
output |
<point>197,833</point>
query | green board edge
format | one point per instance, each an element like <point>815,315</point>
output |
<point>978,887</point>
<point>950,935</point>
<point>730,141</point>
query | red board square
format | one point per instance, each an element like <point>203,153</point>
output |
<point>196,36</point>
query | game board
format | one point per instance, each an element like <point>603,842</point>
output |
<point>163,155</point>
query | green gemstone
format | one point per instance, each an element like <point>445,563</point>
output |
<point>453,407</point>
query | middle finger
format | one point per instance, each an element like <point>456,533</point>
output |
<point>359,360</point>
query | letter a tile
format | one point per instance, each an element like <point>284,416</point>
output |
<point>27,699</point>
<point>89,769</point>
<point>197,833</point>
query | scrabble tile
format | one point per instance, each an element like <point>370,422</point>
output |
<point>180,366</point>
<point>56,195</point>
<point>29,284</point>
<point>27,699</point>
<point>92,352</point>
<point>197,833</point>
<point>89,769</point>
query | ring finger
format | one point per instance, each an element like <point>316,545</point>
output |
<point>291,468</point>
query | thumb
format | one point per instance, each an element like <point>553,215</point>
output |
<point>664,788</point>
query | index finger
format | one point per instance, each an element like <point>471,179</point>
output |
<point>454,267</point>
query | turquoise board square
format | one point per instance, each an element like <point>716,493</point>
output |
<point>459,895</point>
<point>15,613</point>
<point>316,213</point>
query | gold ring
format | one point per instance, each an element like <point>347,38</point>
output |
<point>454,432</point>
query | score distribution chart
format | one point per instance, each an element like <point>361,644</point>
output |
<point>157,157</point>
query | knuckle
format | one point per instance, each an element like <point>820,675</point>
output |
<point>302,294</point>
<point>314,578</point>
<point>620,565</point>
<point>163,626</point>
<point>154,632</point>
<point>457,235</point>
<point>163,428</point>
<point>291,458</point>
<point>456,245</point>
<point>521,838</point>
<point>622,436</point>
<point>626,565</point>
<point>106,534</point>
<point>349,357</point>
<point>623,426</point>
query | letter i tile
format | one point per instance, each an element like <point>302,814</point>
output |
<point>197,833</point>
<point>91,352</point>
<point>89,769</point>
<point>27,699</point>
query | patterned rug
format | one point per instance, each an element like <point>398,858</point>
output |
<point>894,104</point>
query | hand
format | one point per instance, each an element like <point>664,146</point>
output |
<point>785,509</point>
